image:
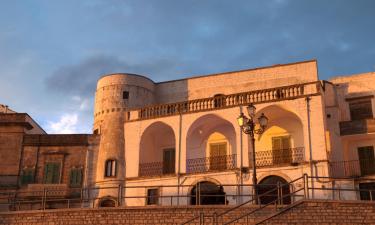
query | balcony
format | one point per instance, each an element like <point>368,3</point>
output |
<point>226,101</point>
<point>51,190</point>
<point>280,157</point>
<point>152,169</point>
<point>352,168</point>
<point>211,164</point>
<point>357,127</point>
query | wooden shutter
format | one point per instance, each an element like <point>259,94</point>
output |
<point>360,109</point>
<point>218,152</point>
<point>169,156</point>
<point>76,177</point>
<point>366,160</point>
<point>52,173</point>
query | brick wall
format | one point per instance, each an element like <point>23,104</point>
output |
<point>326,212</point>
<point>129,215</point>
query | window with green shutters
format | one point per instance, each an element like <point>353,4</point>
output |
<point>75,177</point>
<point>52,173</point>
<point>27,176</point>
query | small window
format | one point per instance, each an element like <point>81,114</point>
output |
<point>152,196</point>
<point>110,168</point>
<point>360,108</point>
<point>125,95</point>
<point>75,177</point>
<point>52,173</point>
<point>96,131</point>
<point>27,176</point>
<point>219,100</point>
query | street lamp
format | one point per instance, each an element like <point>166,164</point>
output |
<point>248,127</point>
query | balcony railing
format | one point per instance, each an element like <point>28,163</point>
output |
<point>155,169</point>
<point>214,163</point>
<point>357,127</point>
<point>280,157</point>
<point>352,168</point>
<point>226,101</point>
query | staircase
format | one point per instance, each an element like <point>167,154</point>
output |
<point>242,214</point>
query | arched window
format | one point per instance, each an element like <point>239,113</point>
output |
<point>219,100</point>
<point>107,203</point>
<point>110,168</point>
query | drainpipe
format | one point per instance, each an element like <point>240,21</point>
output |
<point>179,158</point>
<point>241,161</point>
<point>310,146</point>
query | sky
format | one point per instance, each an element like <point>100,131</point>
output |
<point>53,52</point>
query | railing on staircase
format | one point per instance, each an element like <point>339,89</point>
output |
<point>278,202</point>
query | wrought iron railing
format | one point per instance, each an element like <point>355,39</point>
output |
<point>226,101</point>
<point>154,169</point>
<point>279,157</point>
<point>357,127</point>
<point>213,163</point>
<point>352,168</point>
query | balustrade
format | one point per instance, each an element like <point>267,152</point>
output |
<point>224,101</point>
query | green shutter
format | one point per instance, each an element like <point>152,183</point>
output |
<point>52,173</point>
<point>75,177</point>
<point>27,176</point>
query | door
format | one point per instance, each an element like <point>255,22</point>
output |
<point>169,161</point>
<point>281,152</point>
<point>52,173</point>
<point>218,156</point>
<point>366,160</point>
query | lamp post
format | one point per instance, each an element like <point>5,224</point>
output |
<point>248,126</point>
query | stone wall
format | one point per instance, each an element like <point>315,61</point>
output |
<point>306,212</point>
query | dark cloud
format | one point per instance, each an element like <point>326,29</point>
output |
<point>80,79</point>
<point>169,39</point>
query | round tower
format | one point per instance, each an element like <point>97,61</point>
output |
<point>115,94</point>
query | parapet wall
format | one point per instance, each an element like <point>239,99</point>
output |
<point>307,212</point>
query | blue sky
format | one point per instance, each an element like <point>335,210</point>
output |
<point>52,52</point>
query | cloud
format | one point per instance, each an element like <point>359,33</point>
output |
<point>67,124</point>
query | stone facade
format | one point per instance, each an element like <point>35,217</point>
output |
<point>173,135</point>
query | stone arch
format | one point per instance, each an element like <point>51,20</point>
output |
<point>207,192</point>
<point>107,202</point>
<point>157,150</point>
<point>267,190</point>
<point>282,142</point>
<point>198,145</point>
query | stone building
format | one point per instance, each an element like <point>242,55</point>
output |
<point>162,143</point>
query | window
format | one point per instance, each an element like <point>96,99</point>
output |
<point>219,100</point>
<point>52,173</point>
<point>75,177</point>
<point>96,131</point>
<point>27,176</point>
<point>152,196</point>
<point>169,161</point>
<point>110,168</point>
<point>367,191</point>
<point>125,95</point>
<point>281,152</point>
<point>218,156</point>
<point>360,108</point>
<point>366,160</point>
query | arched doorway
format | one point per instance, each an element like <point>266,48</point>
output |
<point>107,203</point>
<point>207,193</point>
<point>270,183</point>
<point>157,150</point>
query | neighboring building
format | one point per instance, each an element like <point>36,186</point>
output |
<point>166,139</point>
